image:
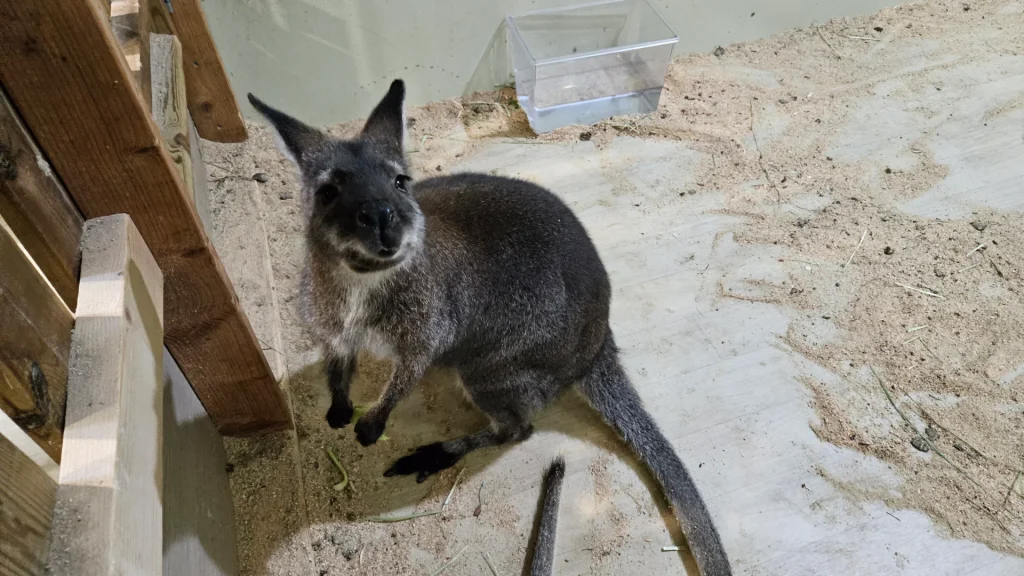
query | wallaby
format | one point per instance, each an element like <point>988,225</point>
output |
<point>544,545</point>
<point>493,276</point>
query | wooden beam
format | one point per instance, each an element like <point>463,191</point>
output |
<point>199,520</point>
<point>210,99</point>
<point>170,111</point>
<point>36,206</point>
<point>200,186</point>
<point>130,20</point>
<point>27,495</point>
<point>62,69</point>
<point>108,516</point>
<point>34,344</point>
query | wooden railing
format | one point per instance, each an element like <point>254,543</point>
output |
<point>124,353</point>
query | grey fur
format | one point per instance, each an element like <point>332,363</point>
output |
<point>544,546</point>
<point>492,276</point>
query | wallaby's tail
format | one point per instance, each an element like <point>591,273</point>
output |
<point>609,391</point>
<point>544,548</point>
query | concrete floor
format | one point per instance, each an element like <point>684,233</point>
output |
<point>712,369</point>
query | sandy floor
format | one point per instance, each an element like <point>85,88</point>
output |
<point>816,246</point>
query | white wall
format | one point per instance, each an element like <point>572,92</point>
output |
<point>327,61</point>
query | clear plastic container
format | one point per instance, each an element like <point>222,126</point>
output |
<point>582,64</point>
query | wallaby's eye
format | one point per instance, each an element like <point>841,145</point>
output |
<point>327,193</point>
<point>400,182</point>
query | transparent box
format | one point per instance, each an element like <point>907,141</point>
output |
<point>582,64</point>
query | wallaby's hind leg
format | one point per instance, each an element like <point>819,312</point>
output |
<point>510,402</point>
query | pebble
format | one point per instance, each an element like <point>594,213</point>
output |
<point>888,251</point>
<point>919,443</point>
<point>260,177</point>
<point>585,136</point>
<point>931,433</point>
<point>979,226</point>
<point>286,196</point>
<point>719,52</point>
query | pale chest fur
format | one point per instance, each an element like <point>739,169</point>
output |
<point>341,318</point>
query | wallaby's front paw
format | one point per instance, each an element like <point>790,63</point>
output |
<point>369,430</point>
<point>424,462</point>
<point>339,414</point>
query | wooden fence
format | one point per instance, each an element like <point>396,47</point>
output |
<point>124,353</point>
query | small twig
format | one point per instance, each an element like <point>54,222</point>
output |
<point>1010,491</point>
<point>923,437</point>
<point>344,475</point>
<point>976,248</point>
<point>908,341</point>
<point>393,519</point>
<point>916,328</point>
<point>452,491</point>
<point>760,156</point>
<point>925,344</point>
<point>862,237</point>
<point>893,515</point>
<point>361,549</point>
<point>670,548</point>
<point>822,36</point>
<point>861,38</point>
<point>449,563</point>
<point>487,558</point>
<point>479,500</point>
<point>922,291</point>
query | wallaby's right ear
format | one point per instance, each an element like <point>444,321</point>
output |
<point>294,137</point>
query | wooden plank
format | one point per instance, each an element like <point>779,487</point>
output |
<point>210,99</point>
<point>130,20</point>
<point>169,109</point>
<point>199,521</point>
<point>27,495</point>
<point>34,343</point>
<point>200,187</point>
<point>109,153</point>
<point>36,206</point>
<point>108,518</point>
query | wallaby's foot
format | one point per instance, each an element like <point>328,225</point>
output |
<point>424,462</point>
<point>339,414</point>
<point>369,428</point>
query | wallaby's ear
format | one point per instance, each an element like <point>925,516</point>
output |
<point>294,137</point>
<point>386,124</point>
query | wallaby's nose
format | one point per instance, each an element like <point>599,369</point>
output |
<point>376,215</point>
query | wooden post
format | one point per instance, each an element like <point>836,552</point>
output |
<point>26,508</point>
<point>213,105</point>
<point>62,68</point>
<point>34,341</point>
<point>169,108</point>
<point>108,519</point>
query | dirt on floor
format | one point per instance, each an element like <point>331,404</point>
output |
<point>926,315</point>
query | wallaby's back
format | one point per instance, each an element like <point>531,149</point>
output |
<point>516,262</point>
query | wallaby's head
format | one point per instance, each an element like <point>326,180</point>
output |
<point>357,193</point>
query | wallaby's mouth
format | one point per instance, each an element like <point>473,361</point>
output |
<point>359,261</point>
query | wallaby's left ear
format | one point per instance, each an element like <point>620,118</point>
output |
<point>296,137</point>
<point>386,124</point>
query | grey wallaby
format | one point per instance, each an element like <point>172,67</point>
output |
<point>493,276</point>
